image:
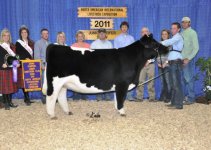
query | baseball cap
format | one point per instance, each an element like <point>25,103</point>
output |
<point>186,19</point>
<point>102,30</point>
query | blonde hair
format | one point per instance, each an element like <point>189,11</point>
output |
<point>2,33</point>
<point>79,32</point>
<point>57,37</point>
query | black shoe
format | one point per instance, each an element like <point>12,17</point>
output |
<point>176,107</point>
<point>162,99</point>
<point>170,105</point>
<point>10,101</point>
<point>26,98</point>
<point>138,100</point>
<point>188,103</point>
<point>153,100</point>
<point>166,101</point>
<point>1,102</point>
<point>6,107</point>
<point>6,102</point>
<point>12,105</point>
<point>1,105</point>
<point>28,103</point>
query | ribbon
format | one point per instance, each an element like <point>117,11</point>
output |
<point>14,70</point>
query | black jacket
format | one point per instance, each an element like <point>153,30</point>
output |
<point>22,52</point>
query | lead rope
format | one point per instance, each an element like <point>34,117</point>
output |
<point>162,70</point>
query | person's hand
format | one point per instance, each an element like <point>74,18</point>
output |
<point>43,67</point>
<point>164,65</point>
<point>159,65</point>
<point>27,59</point>
<point>186,61</point>
<point>4,66</point>
<point>18,65</point>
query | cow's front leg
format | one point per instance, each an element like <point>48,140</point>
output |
<point>62,98</point>
<point>121,92</point>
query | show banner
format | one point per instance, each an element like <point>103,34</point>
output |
<point>32,75</point>
<point>92,34</point>
<point>102,12</point>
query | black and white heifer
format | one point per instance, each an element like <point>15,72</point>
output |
<point>96,71</point>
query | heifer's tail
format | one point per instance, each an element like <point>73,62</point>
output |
<point>48,85</point>
<point>44,87</point>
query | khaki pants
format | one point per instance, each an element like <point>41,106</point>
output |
<point>148,71</point>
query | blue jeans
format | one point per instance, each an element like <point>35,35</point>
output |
<point>175,84</point>
<point>130,95</point>
<point>188,77</point>
<point>77,96</point>
<point>165,82</point>
<point>104,96</point>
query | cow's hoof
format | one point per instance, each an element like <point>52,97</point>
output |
<point>54,118</point>
<point>123,115</point>
<point>70,113</point>
<point>122,112</point>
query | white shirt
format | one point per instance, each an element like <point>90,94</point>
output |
<point>101,44</point>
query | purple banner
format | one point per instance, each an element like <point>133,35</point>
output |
<point>32,76</point>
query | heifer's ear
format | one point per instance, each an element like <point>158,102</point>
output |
<point>144,38</point>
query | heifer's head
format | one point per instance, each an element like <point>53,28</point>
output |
<point>151,47</point>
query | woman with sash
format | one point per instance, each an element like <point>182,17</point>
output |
<point>24,49</point>
<point>8,77</point>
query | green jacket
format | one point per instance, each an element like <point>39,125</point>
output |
<point>191,44</point>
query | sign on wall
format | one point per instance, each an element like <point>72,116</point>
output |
<point>101,18</point>
<point>92,34</point>
<point>32,75</point>
<point>102,12</point>
<point>101,23</point>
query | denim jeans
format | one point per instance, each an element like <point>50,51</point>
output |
<point>175,84</point>
<point>130,95</point>
<point>77,96</point>
<point>166,87</point>
<point>188,78</point>
<point>104,96</point>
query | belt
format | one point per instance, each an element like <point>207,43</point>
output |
<point>176,51</point>
<point>176,61</point>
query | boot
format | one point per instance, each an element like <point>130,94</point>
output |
<point>6,102</point>
<point>26,98</point>
<point>10,101</point>
<point>1,102</point>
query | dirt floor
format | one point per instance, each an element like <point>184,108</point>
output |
<point>147,126</point>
